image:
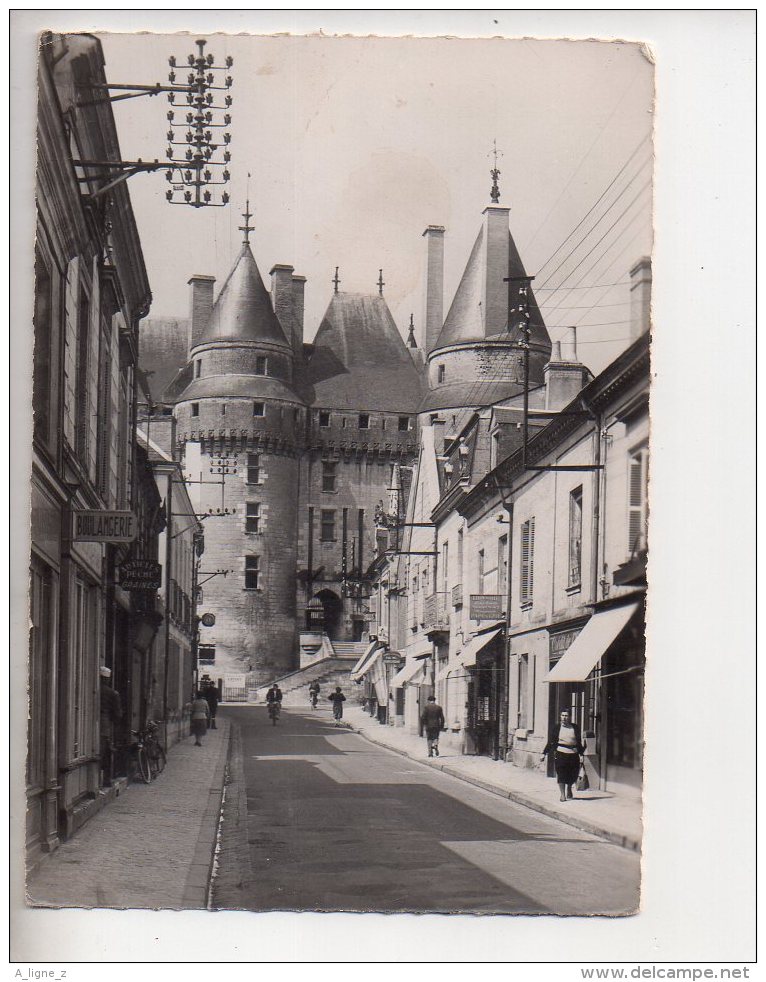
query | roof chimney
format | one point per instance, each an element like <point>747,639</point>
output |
<point>640,297</point>
<point>299,286</point>
<point>564,375</point>
<point>497,240</point>
<point>200,307</point>
<point>433,314</point>
<point>282,298</point>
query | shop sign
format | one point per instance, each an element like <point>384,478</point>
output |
<point>140,574</point>
<point>104,526</point>
<point>486,606</point>
<point>560,642</point>
<point>235,681</point>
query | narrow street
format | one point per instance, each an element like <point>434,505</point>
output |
<point>333,822</point>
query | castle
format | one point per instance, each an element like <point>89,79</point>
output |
<point>302,443</point>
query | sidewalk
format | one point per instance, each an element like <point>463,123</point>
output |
<point>599,812</point>
<point>150,847</point>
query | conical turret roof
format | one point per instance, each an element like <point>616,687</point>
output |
<point>360,359</point>
<point>466,318</point>
<point>243,311</point>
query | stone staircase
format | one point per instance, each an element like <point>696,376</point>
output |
<point>328,672</point>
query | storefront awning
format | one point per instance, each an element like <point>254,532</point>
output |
<point>578,661</point>
<point>406,674</point>
<point>381,693</point>
<point>368,659</point>
<point>475,645</point>
<point>421,649</point>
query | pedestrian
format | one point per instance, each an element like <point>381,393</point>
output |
<point>111,713</point>
<point>314,694</point>
<point>337,699</point>
<point>200,714</point>
<point>210,693</point>
<point>566,744</point>
<point>432,719</point>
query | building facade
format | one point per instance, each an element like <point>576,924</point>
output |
<point>91,291</point>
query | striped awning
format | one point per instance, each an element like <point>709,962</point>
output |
<point>371,654</point>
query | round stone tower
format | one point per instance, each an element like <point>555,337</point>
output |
<point>238,426</point>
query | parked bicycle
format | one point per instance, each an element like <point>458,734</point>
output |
<point>147,755</point>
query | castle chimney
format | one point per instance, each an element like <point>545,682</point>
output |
<point>282,298</point>
<point>299,287</point>
<point>433,314</point>
<point>497,238</point>
<point>200,307</point>
<point>640,297</point>
<point>564,375</point>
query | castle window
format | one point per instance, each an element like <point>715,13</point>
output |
<point>383,423</point>
<point>253,468</point>
<point>343,422</point>
<point>404,424</point>
<point>261,365</point>
<point>253,517</point>
<point>297,415</point>
<point>364,421</point>
<point>441,373</point>
<point>223,409</point>
<point>324,417</point>
<point>252,572</point>
<point>195,409</point>
<point>259,409</point>
<point>329,475</point>
<point>327,525</point>
<point>198,368</point>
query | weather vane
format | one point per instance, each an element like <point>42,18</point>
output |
<point>495,190</point>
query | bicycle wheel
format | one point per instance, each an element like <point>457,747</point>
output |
<point>157,759</point>
<point>143,765</point>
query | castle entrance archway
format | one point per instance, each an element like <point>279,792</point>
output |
<point>324,613</point>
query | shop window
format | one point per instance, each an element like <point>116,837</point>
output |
<point>324,418</point>
<point>253,517</point>
<point>259,409</point>
<point>261,365</point>
<point>327,525</point>
<point>575,537</point>
<point>195,409</point>
<point>364,421</point>
<point>527,565</point>
<point>252,572</point>
<point>638,486</point>
<point>253,468</point>
<point>329,475</point>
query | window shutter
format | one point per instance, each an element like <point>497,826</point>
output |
<point>94,343</point>
<point>636,501</point>
<point>531,571</point>
<point>71,302</point>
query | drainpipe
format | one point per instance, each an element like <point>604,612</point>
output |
<point>168,570</point>
<point>595,576</point>
<point>505,746</point>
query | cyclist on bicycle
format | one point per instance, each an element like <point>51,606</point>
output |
<point>274,701</point>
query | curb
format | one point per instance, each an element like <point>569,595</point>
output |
<point>624,841</point>
<point>195,893</point>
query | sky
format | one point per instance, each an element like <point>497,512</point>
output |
<point>355,145</point>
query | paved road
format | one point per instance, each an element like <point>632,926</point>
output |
<point>329,821</point>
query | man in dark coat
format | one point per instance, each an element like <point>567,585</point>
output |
<point>432,719</point>
<point>111,713</point>
<point>210,694</point>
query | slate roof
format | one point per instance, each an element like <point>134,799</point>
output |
<point>242,310</point>
<point>162,349</point>
<point>359,359</point>
<point>457,395</point>
<point>464,320</point>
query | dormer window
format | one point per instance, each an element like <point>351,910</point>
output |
<point>259,409</point>
<point>261,365</point>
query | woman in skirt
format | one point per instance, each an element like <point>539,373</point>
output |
<point>200,714</point>
<point>567,747</point>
